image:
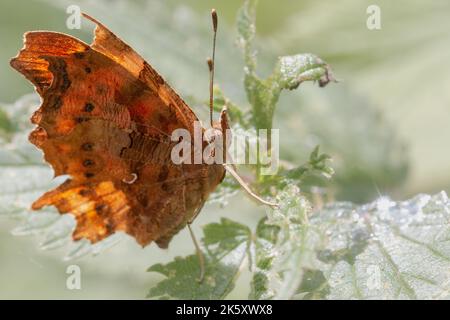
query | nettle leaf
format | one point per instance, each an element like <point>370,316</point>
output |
<point>221,238</point>
<point>295,248</point>
<point>313,285</point>
<point>289,73</point>
<point>317,163</point>
<point>226,247</point>
<point>387,249</point>
<point>262,252</point>
<point>247,30</point>
<point>317,167</point>
<point>25,177</point>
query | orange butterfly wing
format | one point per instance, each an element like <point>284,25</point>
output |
<point>106,120</point>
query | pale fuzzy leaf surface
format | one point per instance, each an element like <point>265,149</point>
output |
<point>285,247</point>
<point>262,259</point>
<point>387,249</point>
<point>294,250</point>
<point>381,250</point>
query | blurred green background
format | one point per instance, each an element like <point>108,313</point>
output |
<point>386,123</point>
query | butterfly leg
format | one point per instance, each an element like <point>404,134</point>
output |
<point>247,189</point>
<point>198,250</point>
<point>201,257</point>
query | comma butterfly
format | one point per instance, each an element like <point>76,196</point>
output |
<point>105,120</point>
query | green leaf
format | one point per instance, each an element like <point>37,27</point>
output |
<point>282,248</point>
<point>318,163</point>
<point>226,247</point>
<point>317,167</point>
<point>296,244</point>
<point>314,285</point>
<point>266,237</point>
<point>282,262</point>
<point>227,235</point>
<point>246,28</point>
<point>291,71</point>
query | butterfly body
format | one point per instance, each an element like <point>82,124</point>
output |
<point>106,120</point>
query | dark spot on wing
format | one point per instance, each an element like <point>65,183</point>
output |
<point>163,174</point>
<point>100,208</point>
<point>88,163</point>
<point>89,175</point>
<point>87,146</point>
<point>58,67</point>
<point>79,55</point>
<point>81,119</point>
<point>88,107</point>
<point>84,192</point>
<point>54,102</point>
<point>109,226</point>
<point>149,74</point>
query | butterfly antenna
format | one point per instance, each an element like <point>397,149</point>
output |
<point>211,65</point>
<point>230,168</point>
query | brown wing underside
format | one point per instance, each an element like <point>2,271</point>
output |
<point>105,120</point>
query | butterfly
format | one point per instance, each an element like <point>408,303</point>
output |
<point>106,120</point>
